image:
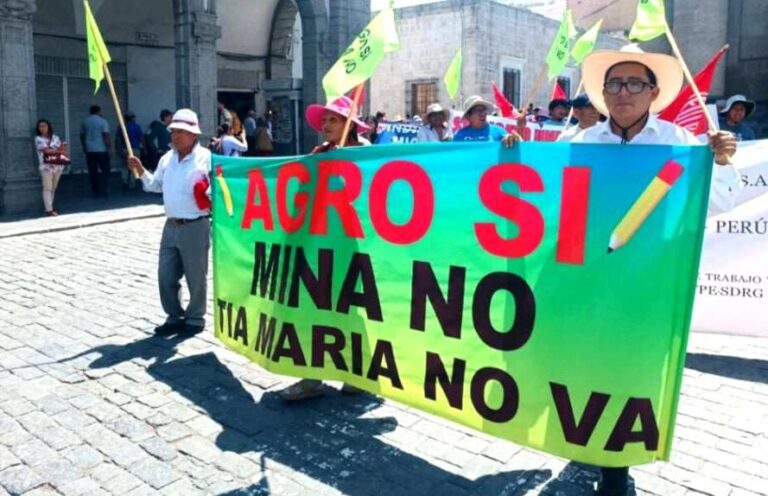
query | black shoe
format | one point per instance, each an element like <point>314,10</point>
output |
<point>192,329</point>
<point>169,328</point>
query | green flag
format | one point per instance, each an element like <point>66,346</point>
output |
<point>650,21</point>
<point>358,62</point>
<point>586,43</point>
<point>557,56</point>
<point>98,55</point>
<point>452,76</point>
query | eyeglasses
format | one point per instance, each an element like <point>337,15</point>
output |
<point>633,87</point>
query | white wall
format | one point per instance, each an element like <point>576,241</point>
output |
<point>247,26</point>
<point>151,82</point>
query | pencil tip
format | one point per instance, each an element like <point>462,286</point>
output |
<point>609,250</point>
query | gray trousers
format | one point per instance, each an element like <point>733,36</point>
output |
<point>184,252</point>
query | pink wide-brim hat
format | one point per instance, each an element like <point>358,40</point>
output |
<point>340,106</point>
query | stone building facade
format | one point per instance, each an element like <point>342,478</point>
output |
<point>265,55</point>
<point>500,43</point>
<point>702,28</point>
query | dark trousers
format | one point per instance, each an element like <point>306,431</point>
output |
<point>98,171</point>
<point>615,481</point>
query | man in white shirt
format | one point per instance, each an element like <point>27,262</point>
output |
<point>630,86</point>
<point>436,128</point>
<point>585,113</point>
<point>182,178</point>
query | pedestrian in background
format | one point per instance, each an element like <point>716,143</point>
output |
<point>136,138</point>
<point>158,139</point>
<point>94,136</point>
<point>47,143</point>
<point>250,132</point>
<point>264,147</point>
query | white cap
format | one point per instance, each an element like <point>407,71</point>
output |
<point>185,120</point>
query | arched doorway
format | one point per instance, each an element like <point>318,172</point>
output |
<point>295,66</point>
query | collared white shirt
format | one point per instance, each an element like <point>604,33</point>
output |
<point>567,135</point>
<point>427,133</point>
<point>176,181</point>
<point>726,182</point>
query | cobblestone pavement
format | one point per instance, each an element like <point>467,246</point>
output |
<point>92,403</point>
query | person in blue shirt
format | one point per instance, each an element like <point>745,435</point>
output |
<point>136,138</point>
<point>476,111</point>
<point>737,110</point>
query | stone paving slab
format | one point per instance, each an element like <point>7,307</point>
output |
<point>92,403</point>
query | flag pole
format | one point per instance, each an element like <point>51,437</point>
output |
<point>540,77</point>
<point>352,113</point>
<point>570,111</point>
<point>119,115</point>
<point>689,77</point>
<point>710,122</point>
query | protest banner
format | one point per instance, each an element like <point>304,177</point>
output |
<point>475,282</point>
<point>733,278</point>
<point>400,132</point>
<point>534,131</point>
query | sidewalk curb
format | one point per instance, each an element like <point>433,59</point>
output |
<point>86,223</point>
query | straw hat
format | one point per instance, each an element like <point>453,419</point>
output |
<point>474,101</point>
<point>436,108</point>
<point>669,75</point>
<point>749,105</point>
<point>185,120</point>
<point>340,106</point>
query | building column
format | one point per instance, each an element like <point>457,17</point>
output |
<point>196,67</point>
<point>20,189</point>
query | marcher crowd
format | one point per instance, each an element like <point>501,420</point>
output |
<point>624,90</point>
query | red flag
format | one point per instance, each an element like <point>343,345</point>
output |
<point>685,110</point>
<point>558,93</point>
<point>505,107</point>
<point>351,96</point>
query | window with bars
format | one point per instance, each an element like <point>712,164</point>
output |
<point>511,85</point>
<point>422,95</point>
<point>565,84</point>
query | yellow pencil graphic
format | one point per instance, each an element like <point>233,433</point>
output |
<point>645,204</point>
<point>224,190</point>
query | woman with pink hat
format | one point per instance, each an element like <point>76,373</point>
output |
<point>330,120</point>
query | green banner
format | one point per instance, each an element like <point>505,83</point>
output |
<point>541,294</point>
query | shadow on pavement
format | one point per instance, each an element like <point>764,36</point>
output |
<point>328,439</point>
<point>745,369</point>
<point>86,203</point>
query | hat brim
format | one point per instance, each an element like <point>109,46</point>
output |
<point>749,106</point>
<point>489,107</point>
<point>669,76</point>
<point>185,127</point>
<point>314,116</point>
<point>446,113</point>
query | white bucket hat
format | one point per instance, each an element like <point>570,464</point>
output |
<point>669,75</point>
<point>185,120</point>
<point>749,105</point>
<point>475,100</point>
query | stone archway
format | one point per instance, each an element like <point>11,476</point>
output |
<point>289,95</point>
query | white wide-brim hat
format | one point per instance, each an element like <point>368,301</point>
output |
<point>476,100</point>
<point>749,105</point>
<point>669,75</point>
<point>436,108</point>
<point>185,120</point>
